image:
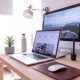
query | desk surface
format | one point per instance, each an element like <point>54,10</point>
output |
<point>28,73</point>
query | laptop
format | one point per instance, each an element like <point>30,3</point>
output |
<point>45,48</point>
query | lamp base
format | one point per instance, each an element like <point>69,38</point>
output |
<point>73,57</point>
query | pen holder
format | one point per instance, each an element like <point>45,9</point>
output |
<point>73,57</point>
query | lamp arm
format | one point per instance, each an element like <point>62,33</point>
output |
<point>46,9</point>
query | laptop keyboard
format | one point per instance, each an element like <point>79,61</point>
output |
<point>37,57</point>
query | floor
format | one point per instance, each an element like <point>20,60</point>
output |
<point>9,76</point>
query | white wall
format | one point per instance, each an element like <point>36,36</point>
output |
<point>6,7</point>
<point>57,4</point>
<point>16,24</point>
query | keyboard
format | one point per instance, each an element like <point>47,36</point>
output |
<point>36,56</point>
<point>30,59</point>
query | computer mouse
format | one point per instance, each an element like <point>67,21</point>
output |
<point>57,67</point>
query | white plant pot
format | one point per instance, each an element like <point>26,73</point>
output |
<point>9,50</point>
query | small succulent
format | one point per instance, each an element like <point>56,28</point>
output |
<point>10,41</point>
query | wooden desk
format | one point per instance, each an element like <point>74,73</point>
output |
<point>27,72</point>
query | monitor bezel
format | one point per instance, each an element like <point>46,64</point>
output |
<point>62,9</point>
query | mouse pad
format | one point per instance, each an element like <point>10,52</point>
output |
<point>67,74</point>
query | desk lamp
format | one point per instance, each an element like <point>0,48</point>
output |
<point>28,13</point>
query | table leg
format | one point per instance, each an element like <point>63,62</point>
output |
<point>1,70</point>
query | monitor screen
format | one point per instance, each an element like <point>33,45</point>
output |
<point>66,19</point>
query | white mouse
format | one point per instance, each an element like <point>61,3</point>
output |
<point>56,67</point>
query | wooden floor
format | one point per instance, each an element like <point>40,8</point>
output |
<point>9,76</point>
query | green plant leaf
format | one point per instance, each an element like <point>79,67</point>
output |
<point>10,41</point>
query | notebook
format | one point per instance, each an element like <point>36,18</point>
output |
<point>45,48</point>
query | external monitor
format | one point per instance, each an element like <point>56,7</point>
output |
<point>66,19</point>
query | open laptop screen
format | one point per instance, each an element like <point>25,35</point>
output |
<point>46,42</point>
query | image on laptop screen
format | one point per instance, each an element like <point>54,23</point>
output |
<point>46,42</point>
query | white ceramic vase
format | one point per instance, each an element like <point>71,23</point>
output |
<point>9,50</point>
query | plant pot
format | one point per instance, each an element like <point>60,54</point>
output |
<point>9,50</point>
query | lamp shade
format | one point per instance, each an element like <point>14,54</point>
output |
<point>28,13</point>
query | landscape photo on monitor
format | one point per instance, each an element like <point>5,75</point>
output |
<point>67,20</point>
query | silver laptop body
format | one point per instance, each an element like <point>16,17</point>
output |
<point>44,48</point>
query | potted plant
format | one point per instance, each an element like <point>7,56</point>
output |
<point>10,42</point>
